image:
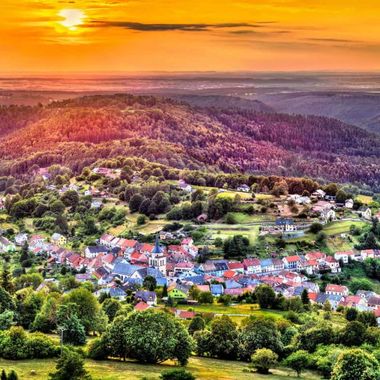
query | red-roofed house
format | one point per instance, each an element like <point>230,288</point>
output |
<point>236,267</point>
<point>338,290</point>
<point>332,264</point>
<point>318,256</point>
<point>292,262</point>
<point>252,265</point>
<point>141,306</point>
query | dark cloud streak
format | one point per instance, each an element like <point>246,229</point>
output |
<point>142,27</point>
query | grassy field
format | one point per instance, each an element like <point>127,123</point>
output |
<point>202,368</point>
<point>340,227</point>
<point>366,199</point>
<point>241,310</point>
<point>225,231</point>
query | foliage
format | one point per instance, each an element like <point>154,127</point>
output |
<point>356,364</point>
<point>263,359</point>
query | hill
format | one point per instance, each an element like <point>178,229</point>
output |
<point>360,109</point>
<point>77,132</point>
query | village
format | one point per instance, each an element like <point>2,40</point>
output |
<point>118,266</point>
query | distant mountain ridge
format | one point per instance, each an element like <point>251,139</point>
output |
<point>357,108</point>
<point>77,132</point>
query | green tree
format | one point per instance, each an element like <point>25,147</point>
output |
<point>144,336</point>
<point>221,341</point>
<point>69,325</point>
<point>298,361</point>
<point>305,297</point>
<point>58,207</point>
<point>266,296</point>
<point>87,306</point>
<point>353,334</point>
<point>316,227</point>
<point>263,360</point>
<point>259,332</point>
<point>196,324</point>
<point>150,283</point>
<point>111,307</point>
<point>205,298</point>
<point>12,375</point>
<point>7,280</point>
<point>70,365</point>
<point>356,364</point>
<point>135,202</point>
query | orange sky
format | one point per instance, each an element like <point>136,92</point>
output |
<point>189,35</point>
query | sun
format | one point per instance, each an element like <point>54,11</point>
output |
<point>72,18</point>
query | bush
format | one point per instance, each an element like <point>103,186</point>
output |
<point>263,359</point>
<point>97,350</point>
<point>177,374</point>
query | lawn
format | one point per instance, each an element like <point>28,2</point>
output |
<point>366,199</point>
<point>203,369</point>
<point>241,310</point>
<point>225,231</point>
<point>340,227</point>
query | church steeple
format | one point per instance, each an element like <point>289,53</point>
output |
<point>157,258</point>
<point>157,250</point>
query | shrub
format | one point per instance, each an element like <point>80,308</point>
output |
<point>263,359</point>
<point>177,374</point>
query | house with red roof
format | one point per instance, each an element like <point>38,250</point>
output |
<point>292,262</point>
<point>141,306</point>
<point>236,266</point>
<point>252,266</point>
<point>338,290</point>
<point>317,256</point>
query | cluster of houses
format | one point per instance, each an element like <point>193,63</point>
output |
<point>117,265</point>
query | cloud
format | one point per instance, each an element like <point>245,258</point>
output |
<point>144,27</point>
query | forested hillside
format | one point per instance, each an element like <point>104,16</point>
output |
<point>76,132</point>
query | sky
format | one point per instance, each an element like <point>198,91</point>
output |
<point>189,35</point>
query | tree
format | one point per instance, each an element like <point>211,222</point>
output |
<point>353,334</point>
<point>266,296</point>
<point>111,306</point>
<point>70,365</point>
<point>6,279</point>
<point>177,374</point>
<point>196,324</point>
<point>150,283</point>
<point>12,375</point>
<point>145,337</point>
<point>6,301</point>
<point>356,364</point>
<point>3,375</point>
<point>298,361</point>
<point>259,333</point>
<point>141,220</point>
<point>205,298</point>
<point>135,202</point>
<point>70,198</point>
<point>70,326</point>
<point>316,227</point>
<point>87,306</point>
<point>221,341</point>
<point>46,319</point>
<point>58,207</point>
<point>351,314</point>
<point>305,297</point>
<point>263,359</point>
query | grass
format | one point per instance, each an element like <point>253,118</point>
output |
<point>366,199</point>
<point>241,310</point>
<point>202,368</point>
<point>225,231</point>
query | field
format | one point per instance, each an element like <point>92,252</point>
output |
<point>204,369</point>
<point>366,199</point>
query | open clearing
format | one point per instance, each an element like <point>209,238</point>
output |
<point>203,369</point>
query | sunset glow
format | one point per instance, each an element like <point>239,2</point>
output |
<point>72,18</point>
<point>181,35</point>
